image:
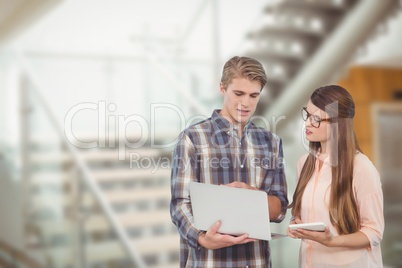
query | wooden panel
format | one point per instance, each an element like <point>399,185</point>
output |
<point>393,82</point>
<point>367,149</point>
<point>378,84</point>
<point>360,89</point>
<point>368,85</point>
<point>362,122</point>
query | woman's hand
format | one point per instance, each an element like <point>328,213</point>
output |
<point>289,232</point>
<point>325,238</point>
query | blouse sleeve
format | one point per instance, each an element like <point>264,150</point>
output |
<point>369,196</point>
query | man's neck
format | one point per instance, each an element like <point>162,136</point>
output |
<point>239,126</point>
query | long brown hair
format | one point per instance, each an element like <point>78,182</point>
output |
<point>339,105</point>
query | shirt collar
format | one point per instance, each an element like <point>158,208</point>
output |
<point>225,124</point>
<point>325,159</point>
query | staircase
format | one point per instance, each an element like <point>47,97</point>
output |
<point>307,43</point>
<point>77,234</point>
<point>11,257</point>
<point>85,208</point>
<point>292,31</point>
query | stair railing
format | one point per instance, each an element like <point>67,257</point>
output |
<point>11,257</point>
<point>31,85</point>
<point>339,47</point>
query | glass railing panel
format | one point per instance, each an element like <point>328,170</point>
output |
<point>65,225</point>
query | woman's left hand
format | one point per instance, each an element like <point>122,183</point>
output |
<point>325,238</point>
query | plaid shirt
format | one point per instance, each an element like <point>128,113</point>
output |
<point>212,152</point>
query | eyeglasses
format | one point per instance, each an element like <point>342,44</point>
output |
<point>315,120</point>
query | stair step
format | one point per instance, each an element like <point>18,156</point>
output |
<point>288,32</point>
<point>90,156</point>
<point>98,223</point>
<point>50,177</point>
<point>316,6</point>
<point>113,154</point>
<point>127,174</point>
<point>110,175</point>
<point>54,201</point>
<point>145,218</point>
<point>112,250</point>
<point>283,58</point>
<point>130,196</point>
<point>174,265</point>
<point>50,158</point>
<point>158,244</point>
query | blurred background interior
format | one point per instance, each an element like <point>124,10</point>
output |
<point>93,94</point>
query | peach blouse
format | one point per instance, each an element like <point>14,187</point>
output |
<point>315,203</point>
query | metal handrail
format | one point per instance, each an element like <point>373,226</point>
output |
<point>17,256</point>
<point>87,177</point>
<point>331,57</point>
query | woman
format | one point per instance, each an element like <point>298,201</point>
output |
<point>338,185</point>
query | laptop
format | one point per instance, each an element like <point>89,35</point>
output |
<point>241,211</point>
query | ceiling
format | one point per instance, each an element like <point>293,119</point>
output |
<point>383,48</point>
<point>17,15</point>
<point>197,29</point>
<point>201,29</point>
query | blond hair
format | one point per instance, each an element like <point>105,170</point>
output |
<point>243,67</point>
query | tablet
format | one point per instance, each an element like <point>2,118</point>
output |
<point>241,211</point>
<point>312,226</point>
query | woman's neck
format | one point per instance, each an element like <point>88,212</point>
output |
<point>323,148</point>
<point>323,153</point>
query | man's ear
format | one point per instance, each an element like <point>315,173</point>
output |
<point>222,89</point>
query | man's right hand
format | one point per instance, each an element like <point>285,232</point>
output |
<point>214,240</point>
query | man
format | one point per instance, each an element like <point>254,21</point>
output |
<point>249,157</point>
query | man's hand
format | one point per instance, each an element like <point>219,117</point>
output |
<point>273,201</point>
<point>238,184</point>
<point>214,240</point>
